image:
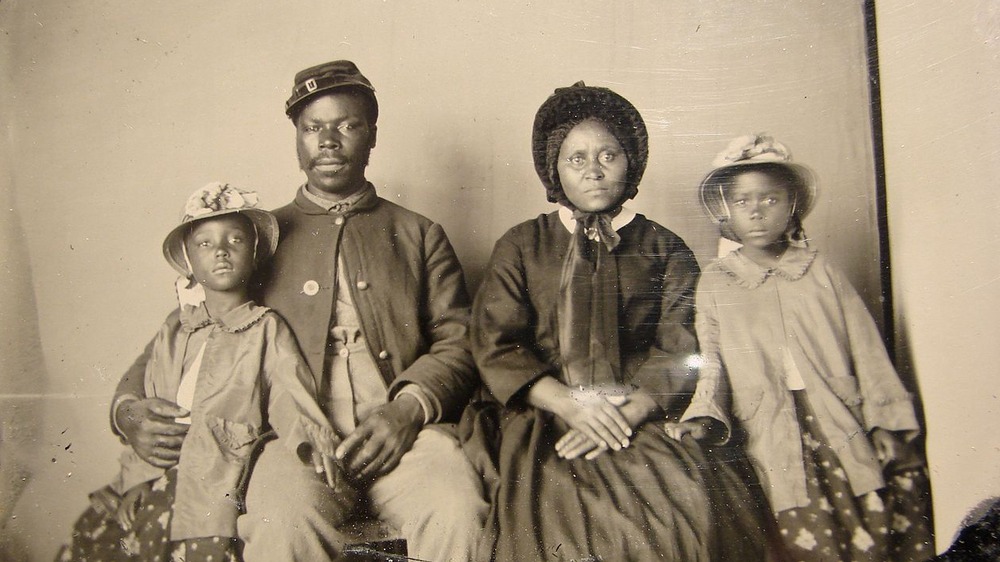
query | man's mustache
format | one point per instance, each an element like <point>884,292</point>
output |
<point>328,160</point>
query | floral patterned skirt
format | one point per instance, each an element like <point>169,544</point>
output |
<point>97,536</point>
<point>892,523</point>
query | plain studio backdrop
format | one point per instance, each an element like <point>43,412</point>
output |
<point>113,112</point>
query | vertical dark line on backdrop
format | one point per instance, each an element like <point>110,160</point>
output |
<point>882,219</point>
<point>881,213</point>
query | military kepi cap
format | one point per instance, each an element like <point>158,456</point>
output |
<point>322,78</point>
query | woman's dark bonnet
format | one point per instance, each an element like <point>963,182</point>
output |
<point>568,107</point>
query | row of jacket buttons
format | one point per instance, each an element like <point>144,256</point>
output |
<point>344,352</point>
<point>311,288</point>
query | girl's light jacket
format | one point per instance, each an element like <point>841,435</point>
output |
<point>747,317</point>
<point>252,379</point>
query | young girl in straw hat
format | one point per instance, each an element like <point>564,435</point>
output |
<point>582,333</point>
<point>233,373</point>
<point>792,358</point>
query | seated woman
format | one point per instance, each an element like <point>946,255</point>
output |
<point>582,331</point>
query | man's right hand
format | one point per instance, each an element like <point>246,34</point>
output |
<point>150,426</point>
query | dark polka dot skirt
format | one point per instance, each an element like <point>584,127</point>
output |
<point>97,536</point>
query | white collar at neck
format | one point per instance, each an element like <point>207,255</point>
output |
<point>618,222</point>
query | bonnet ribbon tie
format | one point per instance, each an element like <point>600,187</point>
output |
<point>597,227</point>
<point>588,303</point>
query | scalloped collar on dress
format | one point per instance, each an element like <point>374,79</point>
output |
<point>792,266</point>
<point>236,320</point>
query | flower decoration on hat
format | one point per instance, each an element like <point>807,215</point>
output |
<point>756,148</point>
<point>759,151</point>
<point>218,196</point>
<point>215,199</point>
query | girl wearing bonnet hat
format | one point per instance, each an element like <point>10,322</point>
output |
<point>224,374</point>
<point>582,331</point>
<point>793,359</point>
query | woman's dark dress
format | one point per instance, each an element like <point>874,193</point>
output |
<point>656,500</point>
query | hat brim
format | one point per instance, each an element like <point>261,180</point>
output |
<point>580,102</point>
<point>267,236</point>
<point>710,193</point>
<point>299,101</point>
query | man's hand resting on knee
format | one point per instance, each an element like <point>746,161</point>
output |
<point>380,440</point>
<point>150,426</point>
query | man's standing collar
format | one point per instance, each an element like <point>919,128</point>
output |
<point>314,205</point>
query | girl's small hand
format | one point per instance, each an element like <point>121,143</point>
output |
<point>699,428</point>
<point>336,479</point>
<point>323,465</point>
<point>129,506</point>
<point>888,447</point>
<point>328,467</point>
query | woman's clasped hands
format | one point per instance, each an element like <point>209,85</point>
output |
<point>601,419</point>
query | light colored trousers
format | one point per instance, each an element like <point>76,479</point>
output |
<point>434,497</point>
